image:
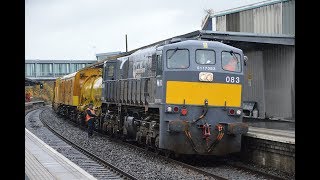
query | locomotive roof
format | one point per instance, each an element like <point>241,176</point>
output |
<point>222,36</point>
<point>200,43</point>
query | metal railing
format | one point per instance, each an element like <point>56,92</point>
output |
<point>46,74</point>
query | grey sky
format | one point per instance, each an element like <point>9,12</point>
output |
<point>77,29</point>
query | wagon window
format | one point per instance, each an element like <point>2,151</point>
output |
<point>178,59</point>
<point>231,61</point>
<point>205,57</point>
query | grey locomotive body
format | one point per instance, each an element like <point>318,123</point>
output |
<point>183,97</point>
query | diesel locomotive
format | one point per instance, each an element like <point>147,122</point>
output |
<point>182,97</point>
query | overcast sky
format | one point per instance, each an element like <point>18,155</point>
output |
<point>78,29</point>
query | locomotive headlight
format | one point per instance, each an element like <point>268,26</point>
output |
<point>238,112</point>
<point>159,82</point>
<point>206,76</point>
<point>209,77</point>
<point>169,109</point>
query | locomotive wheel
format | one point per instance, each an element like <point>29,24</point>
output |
<point>79,119</point>
<point>123,138</point>
<point>167,153</point>
<point>156,146</point>
<point>114,131</point>
<point>177,155</point>
<point>157,151</point>
<point>146,147</point>
<point>104,128</point>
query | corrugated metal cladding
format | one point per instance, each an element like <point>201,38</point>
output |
<point>221,23</point>
<point>265,19</point>
<point>276,18</point>
<point>288,17</point>
<point>233,22</point>
<point>246,21</point>
<point>279,65</point>
<point>268,19</point>
<point>253,88</point>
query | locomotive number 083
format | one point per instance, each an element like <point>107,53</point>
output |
<point>232,79</point>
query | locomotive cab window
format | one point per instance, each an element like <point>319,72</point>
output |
<point>205,57</point>
<point>178,58</point>
<point>230,61</point>
<point>159,65</point>
<point>110,70</point>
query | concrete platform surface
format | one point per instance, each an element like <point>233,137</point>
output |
<point>283,136</point>
<point>43,162</point>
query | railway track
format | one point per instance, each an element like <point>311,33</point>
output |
<point>196,168</point>
<point>87,160</point>
<point>208,174</point>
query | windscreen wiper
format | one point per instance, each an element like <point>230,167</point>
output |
<point>175,50</point>
<point>234,56</point>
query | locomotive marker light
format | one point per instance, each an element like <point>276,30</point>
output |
<point>184,111</point>
<point>206,76</point>
<point>176,109</point>
<point>239,112</point>
<point>231,111</point>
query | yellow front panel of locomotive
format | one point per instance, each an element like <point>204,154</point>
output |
<point>194,93</point>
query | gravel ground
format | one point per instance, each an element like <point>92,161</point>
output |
<point>268,170</point>
<point>228,166</point>
<point>230,172</point>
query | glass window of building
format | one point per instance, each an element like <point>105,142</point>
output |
<point>30,70</point>
<point>76,66</point>
<point>61,69</point>
<point>44,69</point>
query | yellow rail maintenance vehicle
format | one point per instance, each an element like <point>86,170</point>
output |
<point>73,93</point>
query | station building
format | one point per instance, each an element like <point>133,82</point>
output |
<point>51,69</point>
<point>265,31</point>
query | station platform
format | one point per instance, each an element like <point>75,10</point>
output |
<point>283,136</point>
<point>43,162</point>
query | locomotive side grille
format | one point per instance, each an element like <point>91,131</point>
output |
<point>194,93</point>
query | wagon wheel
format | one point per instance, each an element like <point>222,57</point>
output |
<point>79,119</point>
